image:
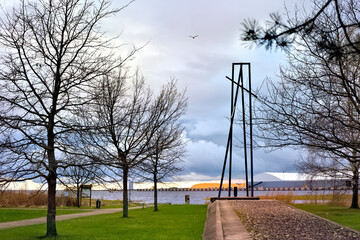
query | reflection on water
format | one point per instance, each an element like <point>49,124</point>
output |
<point>196,197</point>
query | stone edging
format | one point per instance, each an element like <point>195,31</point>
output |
<point>223,223</point>
<point>213,229</point>
<point>338,224</point>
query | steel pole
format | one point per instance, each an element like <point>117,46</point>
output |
<point>244,130</point>
<point>230,130</point>
<point>251,136</point>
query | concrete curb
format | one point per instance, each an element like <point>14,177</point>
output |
<point>213,228</point>
<point>222,223</point>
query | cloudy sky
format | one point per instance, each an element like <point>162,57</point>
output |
<point>200,65</point>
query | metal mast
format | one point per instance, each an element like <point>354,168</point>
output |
<point>240,84</point>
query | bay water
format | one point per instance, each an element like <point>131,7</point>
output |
<point>178,197</point>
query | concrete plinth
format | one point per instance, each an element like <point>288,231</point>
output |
<point>213,199</point>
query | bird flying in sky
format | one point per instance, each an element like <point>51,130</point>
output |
<point>193,37</point>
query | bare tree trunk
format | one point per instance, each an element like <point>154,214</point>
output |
<point>125,192</point>
<point>155,194</point>
<point>78,195</point>
<point>355,185</point>
<point>51,214</point>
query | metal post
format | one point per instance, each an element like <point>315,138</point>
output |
<point>251,137</point>
<point>240,84</point>
<point>231,132</point>
<point>223,170</point>
<point>244,130</point>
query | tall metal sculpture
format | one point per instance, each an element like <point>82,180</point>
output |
<point>240,84</point>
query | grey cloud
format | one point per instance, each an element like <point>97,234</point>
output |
<point>200,65</point>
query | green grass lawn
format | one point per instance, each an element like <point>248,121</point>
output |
<point>171,222</point>
<point>342,215</point>
<point>104,204</point>
<point>10,214</point>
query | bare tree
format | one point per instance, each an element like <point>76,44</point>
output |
<point>126,118</point>
<point>316,105</point>
<point>122,121</point>
<point>317,101</point>
<point>324,164</point>
<point>52,52</point>
<point>167,144</point>
<point>283,33</point>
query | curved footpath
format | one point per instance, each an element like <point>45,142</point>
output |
<point>61,217</point>
<point>269,219</point>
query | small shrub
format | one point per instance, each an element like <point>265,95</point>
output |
<point>287,198</point>
<point>29,198</point>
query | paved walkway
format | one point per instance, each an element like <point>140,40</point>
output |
<point>222,223</point>
<point>61,217</point>
<point>233,228</point>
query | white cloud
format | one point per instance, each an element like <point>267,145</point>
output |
<point>200,65</point>
<point>204,161</point>
<point>205,158</point>
<point>198,177</point>
<point>208,127</point>
<point>276,161</point>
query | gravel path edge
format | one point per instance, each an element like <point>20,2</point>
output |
<point>328,220</point>
<point>271,219</point>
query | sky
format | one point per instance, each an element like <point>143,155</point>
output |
<point>200,66</point>
<point>163,29</point>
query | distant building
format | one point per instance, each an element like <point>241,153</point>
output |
<point>295,180</point>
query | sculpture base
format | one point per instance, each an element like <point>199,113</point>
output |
<point>213,199</point>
